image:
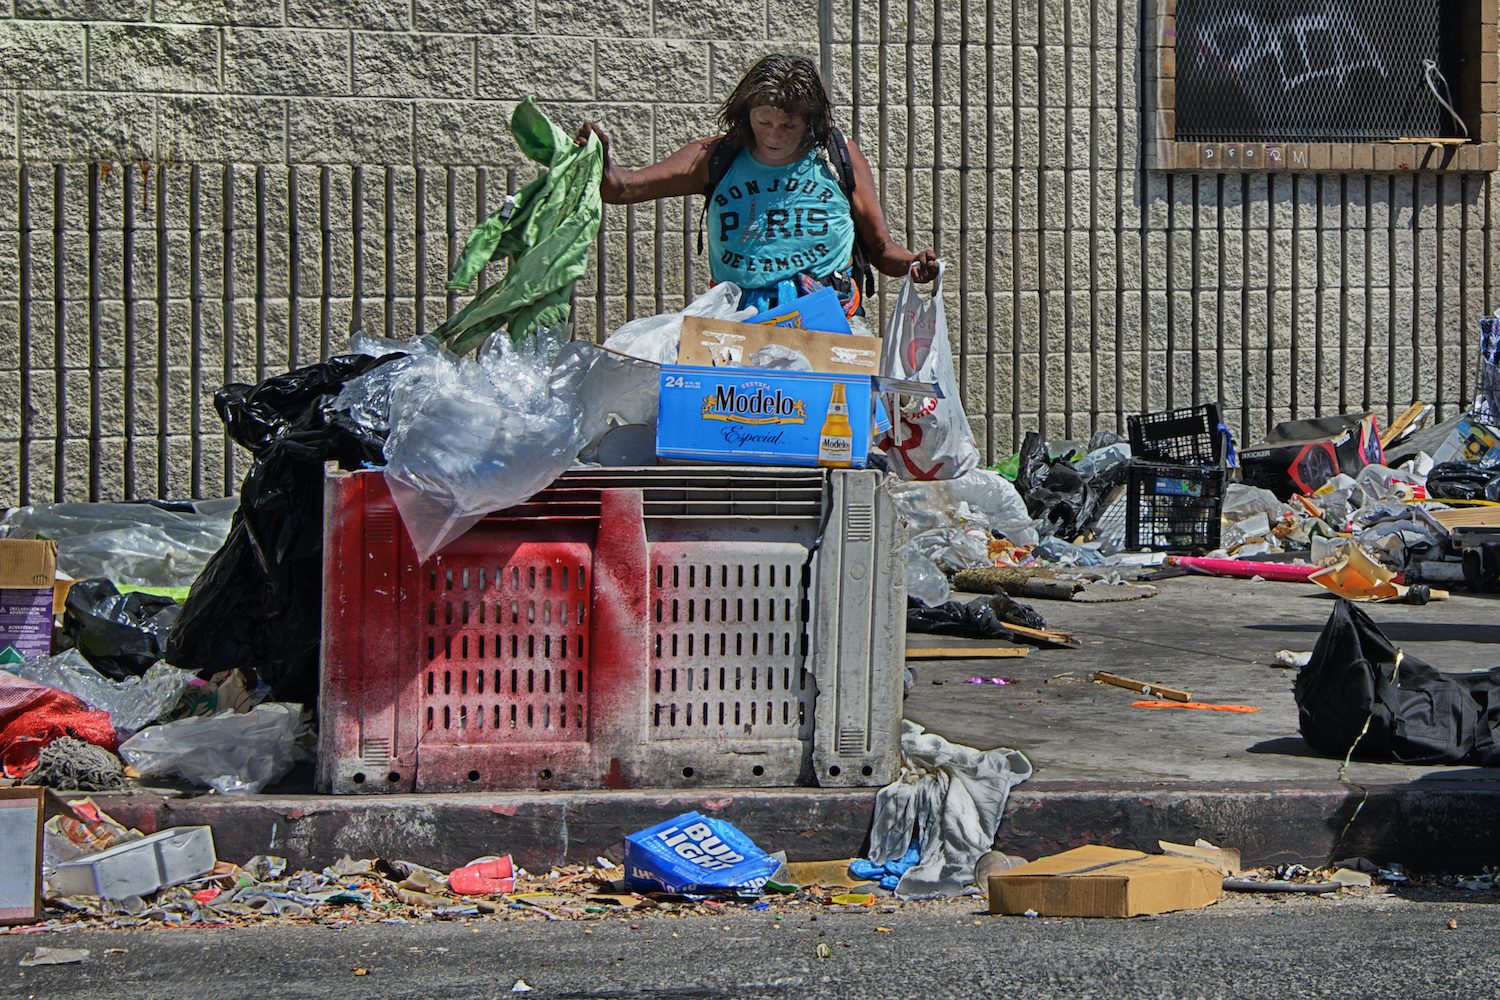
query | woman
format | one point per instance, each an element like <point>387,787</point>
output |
<point>780,223</point>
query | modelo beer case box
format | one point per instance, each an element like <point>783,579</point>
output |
<point>754,416</point>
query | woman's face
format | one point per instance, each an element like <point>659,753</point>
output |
<point>778,135</point>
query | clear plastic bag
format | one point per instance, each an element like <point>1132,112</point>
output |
<point>227,752</point>
<point>924,581</point>
<point>131,703</point>
<point>133,544</point>
<point>952,549</point>
<point>367,398</point>
<point>469,436</point>
<point>655,338</point>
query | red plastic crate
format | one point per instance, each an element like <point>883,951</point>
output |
<point>622,630</point>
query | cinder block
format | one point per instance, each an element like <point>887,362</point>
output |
<point>729,19</point>
<point>42,54</point>
<point>502,18</point>
<point>631,70</point>
<point>559,69</point>
<point>286,61</point>
<point>222,129</point>
<point>218,11</point>
<point>63,127</point>
<point>408,65</point>
<point>84,10</point>
<point>351,131</point>
<point>154,57</point>
<point>367,15</point>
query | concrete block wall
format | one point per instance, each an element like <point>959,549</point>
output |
<point>193,192</point>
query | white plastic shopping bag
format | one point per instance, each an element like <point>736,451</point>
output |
<point>930,438</point>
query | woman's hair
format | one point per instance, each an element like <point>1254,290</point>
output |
<point>788,82</point>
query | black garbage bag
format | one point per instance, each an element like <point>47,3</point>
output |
<point>1464,481</point>
<point>1057,494</point>
<point>121,635</point>
<point>981,618</point>
<point>1423,716</point>
<point>258,602</point>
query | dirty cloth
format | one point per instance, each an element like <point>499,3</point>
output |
<point>951,798</point>
<point>545,229</point>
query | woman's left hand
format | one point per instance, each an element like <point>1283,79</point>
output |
<point>924,267</point>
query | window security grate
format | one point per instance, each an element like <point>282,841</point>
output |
<point>1310,70</point>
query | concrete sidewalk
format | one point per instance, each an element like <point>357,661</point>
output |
<point>1105,772</point>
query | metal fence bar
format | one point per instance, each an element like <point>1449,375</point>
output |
<point>23,323</point>
<point>164,486</point>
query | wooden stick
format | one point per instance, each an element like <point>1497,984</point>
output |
<point>966,652</point>
<point>1400,424</point>
<point>1144,687</point>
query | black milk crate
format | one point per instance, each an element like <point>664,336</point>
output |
<point>1173,508</point>
<point>1189,436</point>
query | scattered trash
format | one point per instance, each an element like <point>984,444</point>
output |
<point>1207,706</point>
<point>32,716</point>
<point>67,764</point>
<point>28,572</point>
<point>693,854</point>
<point>138,867</point>
<point>1097,881</point>
<point>228,752</point>
<point>131,702</point>
<point>1348,877</point>
<point>485,877</point>
<point>1252,884</point>
<point>521,986</point>
<point>1142,687</point>
<point>1291,658</point>
<point>54,956</point>
<point>990,680</point>
<point>956,796</point>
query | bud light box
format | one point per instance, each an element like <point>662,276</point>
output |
<point>696,855</point>
<point>758,416</point>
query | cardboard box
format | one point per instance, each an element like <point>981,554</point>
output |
<point>21,868</point>
<point>752,416</point>
<point>1471,441</point>
<point>1299,456</point>
<point>28,571</point>
<point>1098,881</point>
<point>712,343</point>
<point>139,867</point>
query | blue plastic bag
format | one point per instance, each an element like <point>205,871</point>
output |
<point>696,855</point>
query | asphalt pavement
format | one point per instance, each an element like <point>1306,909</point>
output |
<point>1247,947</point>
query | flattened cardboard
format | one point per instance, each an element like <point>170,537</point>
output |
<point>1096,881</point>
<point>21,870</point>
<point>712,343</point>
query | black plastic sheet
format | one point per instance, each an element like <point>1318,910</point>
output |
<point>258,602</point>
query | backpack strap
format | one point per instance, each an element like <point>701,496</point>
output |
<point>720,159</point>
<point>838,155</point>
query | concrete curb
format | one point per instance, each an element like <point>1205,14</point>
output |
<point>1445,825</point>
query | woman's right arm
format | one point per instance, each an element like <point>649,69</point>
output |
<point>683,173</point>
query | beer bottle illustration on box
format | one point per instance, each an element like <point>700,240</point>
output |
<point>836,443</point>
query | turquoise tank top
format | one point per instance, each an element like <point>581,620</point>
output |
<point>768,224</point>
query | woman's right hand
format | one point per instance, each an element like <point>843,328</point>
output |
<point>589,128</point>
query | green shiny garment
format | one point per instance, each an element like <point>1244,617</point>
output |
<point>546,234</point>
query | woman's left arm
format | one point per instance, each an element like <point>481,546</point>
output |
<point>886,255</point>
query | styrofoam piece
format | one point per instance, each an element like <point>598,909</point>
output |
<point>139,867</point>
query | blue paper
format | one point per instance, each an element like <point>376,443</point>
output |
<point>820,310</point>
<point>696,855</point>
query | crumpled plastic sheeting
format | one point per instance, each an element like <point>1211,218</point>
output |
<point>228,752</point>
<point>131,703</point>
<point>134,544</point>
<point>469,437</point>
<point>955,796</point>
<point>924,581</point>
<point>979,498</point>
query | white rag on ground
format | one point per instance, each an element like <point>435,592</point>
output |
<point>950,796</point>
